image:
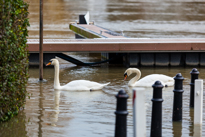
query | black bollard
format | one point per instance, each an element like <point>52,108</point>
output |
<point>194,75</point>
<point>121,114</point>
<point>177,104</point>
<point>156,123</point>
<point>82,19</point>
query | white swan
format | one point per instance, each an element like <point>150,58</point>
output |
<point>148,80</point>
<point>76,84</point>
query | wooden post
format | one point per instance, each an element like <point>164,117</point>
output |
<point>139,113</point>
<point>41,43</point>
<point>198,102</point>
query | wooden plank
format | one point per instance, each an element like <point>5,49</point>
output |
<point>83,32</point>
<point>119,45</point>
<point>93,31</point>
<point>155,46</point>
<point>123,40</point>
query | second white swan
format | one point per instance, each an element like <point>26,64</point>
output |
<point>76,84</point>
<point>148,80</point>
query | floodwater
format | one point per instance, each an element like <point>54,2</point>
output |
<point>91,114</point>
<point>137,18</point>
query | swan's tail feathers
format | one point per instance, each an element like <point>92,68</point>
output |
<point>106,84</point>
<point>99,87</point>
<point>103,85</point>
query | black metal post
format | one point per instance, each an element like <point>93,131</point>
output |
<point>41,42</point>
<point>121,114</point>
<point>156,123</point>
<point>194,75</point>
<point>177,104</point>
<point>82,19</point>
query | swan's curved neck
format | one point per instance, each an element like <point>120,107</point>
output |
<point>56,76</point>
<point>136,78</point>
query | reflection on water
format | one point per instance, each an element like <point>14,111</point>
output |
<point>16,127</point>
<point>191,115</point>
<point>54,114</point>
<point>138,19</point>
<point>197,131</point>
<point>177,128</point>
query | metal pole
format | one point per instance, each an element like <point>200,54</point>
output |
<point>156,122</point>
<point>121,114</point>
<point>41,43</point>
<point>194,75</point>
<point>178,102</point>
<point>82,19</point>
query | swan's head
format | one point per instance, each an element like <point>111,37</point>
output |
<point>52,62</point>
<point>129,71</point>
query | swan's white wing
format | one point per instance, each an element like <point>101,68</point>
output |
<point>149,80</point>
<point>83,85</point>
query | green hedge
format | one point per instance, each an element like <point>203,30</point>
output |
<point>13,57</point>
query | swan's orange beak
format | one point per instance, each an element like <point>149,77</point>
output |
<point>49,63</point>
<point>125,76</point>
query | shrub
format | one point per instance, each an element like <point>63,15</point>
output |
<point>13,57</point>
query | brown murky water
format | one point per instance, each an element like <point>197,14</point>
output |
<point>91,114</point>
<point>83,114</point>
<point>138,19</point>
